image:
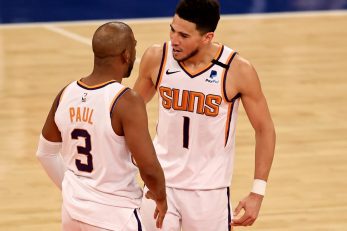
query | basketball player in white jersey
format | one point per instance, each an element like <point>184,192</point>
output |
<point>200,84</point>
<point>98,125</point>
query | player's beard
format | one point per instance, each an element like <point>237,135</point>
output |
<point>191,54</point>
<point>130,68</point>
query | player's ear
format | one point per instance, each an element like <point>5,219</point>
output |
<point>126,57</point>
<point>207,38</point>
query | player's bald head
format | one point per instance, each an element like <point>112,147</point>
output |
<point>111,39</point>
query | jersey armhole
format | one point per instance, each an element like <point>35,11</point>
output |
<point>162,65</point>
<point>59,97</point>
<point>116,98</point>
<point>225,78</point>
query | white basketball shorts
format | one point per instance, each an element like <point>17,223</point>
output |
<point>191,210</point>
<point>69,224</point>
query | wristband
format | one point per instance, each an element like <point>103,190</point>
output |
<point>259,187</point>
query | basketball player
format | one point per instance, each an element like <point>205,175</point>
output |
<point>200,84</point>
<point>94,123</point>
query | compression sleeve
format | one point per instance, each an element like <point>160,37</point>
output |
<point>48,153</point>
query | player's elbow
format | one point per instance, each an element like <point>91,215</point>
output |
<point>266,130</point>
<point>47,149</point>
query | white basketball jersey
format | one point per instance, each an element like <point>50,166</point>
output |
<point>101,176</point>
<point>195,138</point>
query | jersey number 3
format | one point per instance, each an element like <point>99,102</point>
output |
<point>75,134</point>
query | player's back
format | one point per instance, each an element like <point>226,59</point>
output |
<point>100,172</point>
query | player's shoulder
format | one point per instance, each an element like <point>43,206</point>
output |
<point>243,68</point>
<point>60,94</point>
<point>242,64</point>
<point>153,52</point>
<point>131,98</point>
<point>242,75</point>
<point>129,106</point>
<point>155,48</point>
<point>151,60</point>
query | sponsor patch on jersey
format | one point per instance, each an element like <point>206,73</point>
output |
<point>213,77</point>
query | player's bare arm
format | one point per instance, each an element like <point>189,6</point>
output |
<point>49,147</point>
<point>131,121</point>
<point>50,130</point>
<point>148,73</point>
<point>246,82</point>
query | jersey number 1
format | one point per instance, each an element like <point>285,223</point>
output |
<point>186,122</point>
<point>83,150</point>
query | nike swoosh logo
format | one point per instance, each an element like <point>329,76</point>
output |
<point>171,72</point>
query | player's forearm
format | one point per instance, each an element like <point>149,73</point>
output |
<point>54,168</point>
<point>146,95</point>
<point>264,152</point>
<point>145,88</point>
<point>51,160</point>
<point>155,181</point>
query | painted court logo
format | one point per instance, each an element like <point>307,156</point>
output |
<point>213,77</point>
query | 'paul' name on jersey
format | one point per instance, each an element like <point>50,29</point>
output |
<point>84,114</point>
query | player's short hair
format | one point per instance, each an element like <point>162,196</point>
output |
<point>204,13</point>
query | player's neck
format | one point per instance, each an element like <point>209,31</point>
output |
<point>100,75</point>
<point>203,57</point>
<point>107,69</point>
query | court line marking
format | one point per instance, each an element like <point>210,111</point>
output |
<point>54,26</point>
<point>68,34</point>
<point>167,19</point>
<point>73,36</point>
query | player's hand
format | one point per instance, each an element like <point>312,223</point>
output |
<point>160,210</point>
<point>251,206</point>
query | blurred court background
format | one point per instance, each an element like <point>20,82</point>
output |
<point>12,11</point>
<point>298,47</point>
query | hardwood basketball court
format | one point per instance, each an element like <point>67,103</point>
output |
<point>302,64</point>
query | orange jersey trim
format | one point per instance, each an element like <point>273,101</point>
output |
<point>93,87</point>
